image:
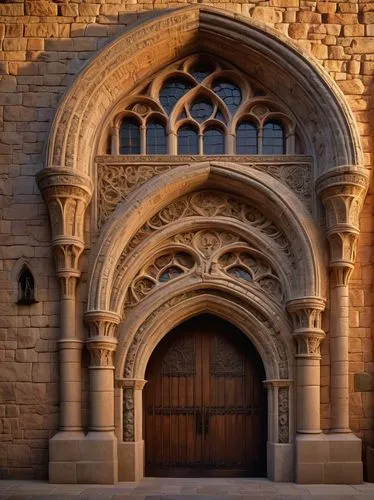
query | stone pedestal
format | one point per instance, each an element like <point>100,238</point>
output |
<point>76,458</point>
<point>131,461</point>
<point>280,462</point>
<point>328,459</point>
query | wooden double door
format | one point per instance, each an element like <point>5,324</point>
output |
<point>205,408</point>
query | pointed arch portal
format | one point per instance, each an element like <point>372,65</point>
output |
<point>172,237</point>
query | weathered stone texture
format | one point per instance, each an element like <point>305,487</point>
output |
<point>44,45</point>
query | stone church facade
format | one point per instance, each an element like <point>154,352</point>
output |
<point>186,240</point>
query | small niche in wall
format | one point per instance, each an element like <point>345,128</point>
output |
<point>26,287</point>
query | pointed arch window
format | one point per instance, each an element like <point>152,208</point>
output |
<point>273,142</point>
<point>203,106</point>
<point>130,137</point>
<point>214,141</point>
<point>156,137</point>
<point>246,138</point>
<point>188,140</point>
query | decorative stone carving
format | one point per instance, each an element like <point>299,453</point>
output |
<point>67,194</point>
<point>161,270</point>
<point>210,204</point>
<point>243,265</point>
<point>342,192</point>
<point>283,415</point>
<point>128,414</point>
<point>129,388</point>
<point>306,317</point>
<point>102,324</point>
<point>101,352</point>
<point>115,182</point>
<point>118,176</point>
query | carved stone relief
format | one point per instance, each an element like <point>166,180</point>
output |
<point>283,415</point>
<point>128,414</point>
<point>161,270</point>
<point>211,204</point>
<point>116,181</point>
<point>240,263</point>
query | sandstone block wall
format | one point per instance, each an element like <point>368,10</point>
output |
<point>44,44</point>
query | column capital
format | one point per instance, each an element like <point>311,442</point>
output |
<point>67,194</point>
<point>342,191</point>
<point>101,351</point>
<point>133,383</point>
<point>306,315</point>
<point>102,324</point>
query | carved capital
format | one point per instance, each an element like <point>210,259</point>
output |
<point>309,343</point>
<point>67,194</point>
<point>306,315</point>
<point>135,383</point>
<point>102,324</point>
<point>342,192</point>
<point>101,352</point>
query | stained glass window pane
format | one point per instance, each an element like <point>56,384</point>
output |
<point>188,141</point>
<point>170,273</point>
<point>214,142</point>
<point>246,139</point>
<point>172,90</point>
<point>229,93</point>
<point>200,73</point>
<point>129,135</point>
<point>156,138</point>
<point>273,139</point>
<point>201,110</point>
<point>240,272</point>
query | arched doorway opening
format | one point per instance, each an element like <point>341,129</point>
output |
<point>205,411</point>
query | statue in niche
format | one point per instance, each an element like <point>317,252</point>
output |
<point>26,287</point>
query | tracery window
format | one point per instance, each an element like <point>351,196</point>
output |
<point>201,106</point>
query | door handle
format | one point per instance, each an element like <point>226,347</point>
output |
<point>199,423</point>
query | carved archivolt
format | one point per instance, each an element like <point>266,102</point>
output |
<point>272,342</point>
<point>212,204</point>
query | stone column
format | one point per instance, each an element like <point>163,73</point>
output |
<point>342,192</point>
<point>100,450</point>
<point>102,345</point>
<point>310,446</point>
<point>67,195</point>
<point>306,317</point>
<point>131,460</point>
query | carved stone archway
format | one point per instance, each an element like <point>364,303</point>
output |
<point>335,175</point>
<point>271,337</point>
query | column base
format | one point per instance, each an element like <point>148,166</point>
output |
<point>131,461</point>
<point>328,459</point>
<point>280,463</point>
<point>76,458</point>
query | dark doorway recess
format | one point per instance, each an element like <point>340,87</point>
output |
<point>205,411</point>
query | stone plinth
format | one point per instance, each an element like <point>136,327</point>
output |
<point>328,459</point>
